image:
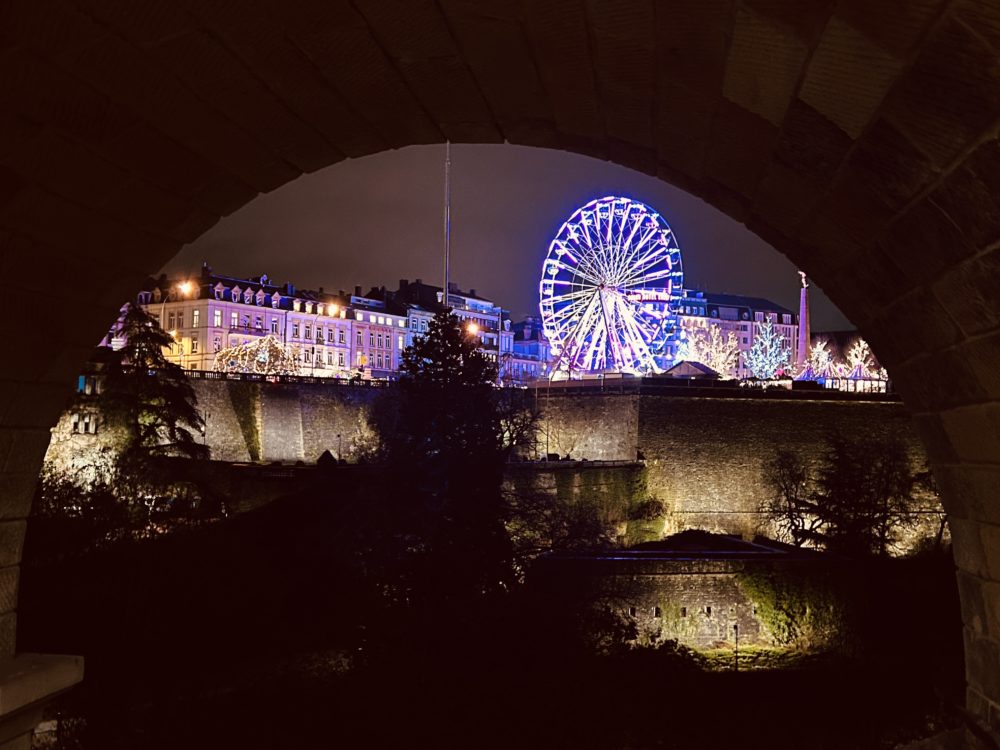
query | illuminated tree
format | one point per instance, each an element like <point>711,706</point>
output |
<point>820,363</point>
<point>263,356</point>
<point>768,355</point>
<point>716,350</point>
<point>860,363</point>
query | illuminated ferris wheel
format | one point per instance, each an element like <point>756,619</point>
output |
<point>609,289</point>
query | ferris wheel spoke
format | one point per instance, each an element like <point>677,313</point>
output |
<point>640,268</point>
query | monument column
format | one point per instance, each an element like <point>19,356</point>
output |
<point>802,352</point>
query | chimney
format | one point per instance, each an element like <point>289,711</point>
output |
<point>321,290</point>
<point>420,281</point>
<point>403,283</point>
<point>289,289</point>
<point>472,293</point>
<point>357,290</point>
<point>452,287</point>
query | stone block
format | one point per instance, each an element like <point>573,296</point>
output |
<point>981,657</point>
<point>970,203</point>
<point>848,76</point>
<point>983,357</point>
<point>956,67</point>
<point>971,492</point>
<point>891,166</point>
<point>990,535</point>
<point>973,601</point>
<point>811,144</point>
<point>970,292</point>
<point>897,27</point>
<point>11,541</point>
<point>967,546</point>
<point>974,432</point>
<point>763,67</point>
<point>27,679</point>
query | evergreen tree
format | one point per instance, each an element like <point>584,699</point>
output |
<point>149,398</point>
<point>443,443</point>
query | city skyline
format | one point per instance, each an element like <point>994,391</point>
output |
<point>508,203</point>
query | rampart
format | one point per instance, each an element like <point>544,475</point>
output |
<point>704,450</point>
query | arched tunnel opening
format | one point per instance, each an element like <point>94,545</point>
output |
<point>808,124</point>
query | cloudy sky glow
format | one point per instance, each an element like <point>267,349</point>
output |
<point>375,220</point>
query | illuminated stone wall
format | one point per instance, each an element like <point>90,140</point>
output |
<point>705,457</point>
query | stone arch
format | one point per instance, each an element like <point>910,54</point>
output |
<point>858,138</point>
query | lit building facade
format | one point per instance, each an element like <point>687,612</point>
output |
<point>743,316</point>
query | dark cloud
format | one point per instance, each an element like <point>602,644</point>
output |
<point>375,220</point>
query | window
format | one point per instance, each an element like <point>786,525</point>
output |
<point>329,358</point>
<point>309,331</point>
<point>295,330</point>
<point>380,341</point>
<point>400,342</point>
<point>656,612</point>
<point>196,318</point>
<point>631,611</point>
<point>413,323</point>
<point>258,322</point>
<point>274,325</point>
<point>684,611</point>
<point>708,611</point>
<point>361,339</point>
<point>371,338</point>
<point>234,320</point>
<point>329,335</point>
<point>171,322</point>
<point>340,336</point>
<point>217,318</point>
<point>248,296</point>
<point>180,319</point>
<point>194,343</point>
<point>319,335</point>
<point>218,292</point>
<point>380,361</point>
<point>216,344</point>
<point>340,358</point>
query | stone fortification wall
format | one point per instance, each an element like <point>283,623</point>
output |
<point>705,456</point>
<point>598,427</point>
<point>286,422</point>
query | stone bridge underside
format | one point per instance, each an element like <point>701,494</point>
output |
<point>858,137</point>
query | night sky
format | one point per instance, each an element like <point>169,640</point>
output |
<point>375,220</point>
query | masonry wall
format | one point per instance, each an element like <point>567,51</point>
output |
<point>704,456</point>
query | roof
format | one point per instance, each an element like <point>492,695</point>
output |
<point>690,369</point>
<point>694,544</point>
<point>738,300</point>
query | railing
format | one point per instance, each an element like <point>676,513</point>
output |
<point>254,377</point>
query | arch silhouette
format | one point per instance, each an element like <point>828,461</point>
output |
<point>858,138</point>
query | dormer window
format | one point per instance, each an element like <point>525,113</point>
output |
<point>260,297</point>
<point>309,307</point>
<point>275,300</point>
<point>235,293</point>
<point>248,296</point>
<point>220,290</point>
<point>157,295</point>
<point>297,305</point>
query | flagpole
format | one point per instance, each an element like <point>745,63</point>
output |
<point>447,222</point>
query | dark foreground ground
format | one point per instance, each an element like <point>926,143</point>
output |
<point>259,632</point>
